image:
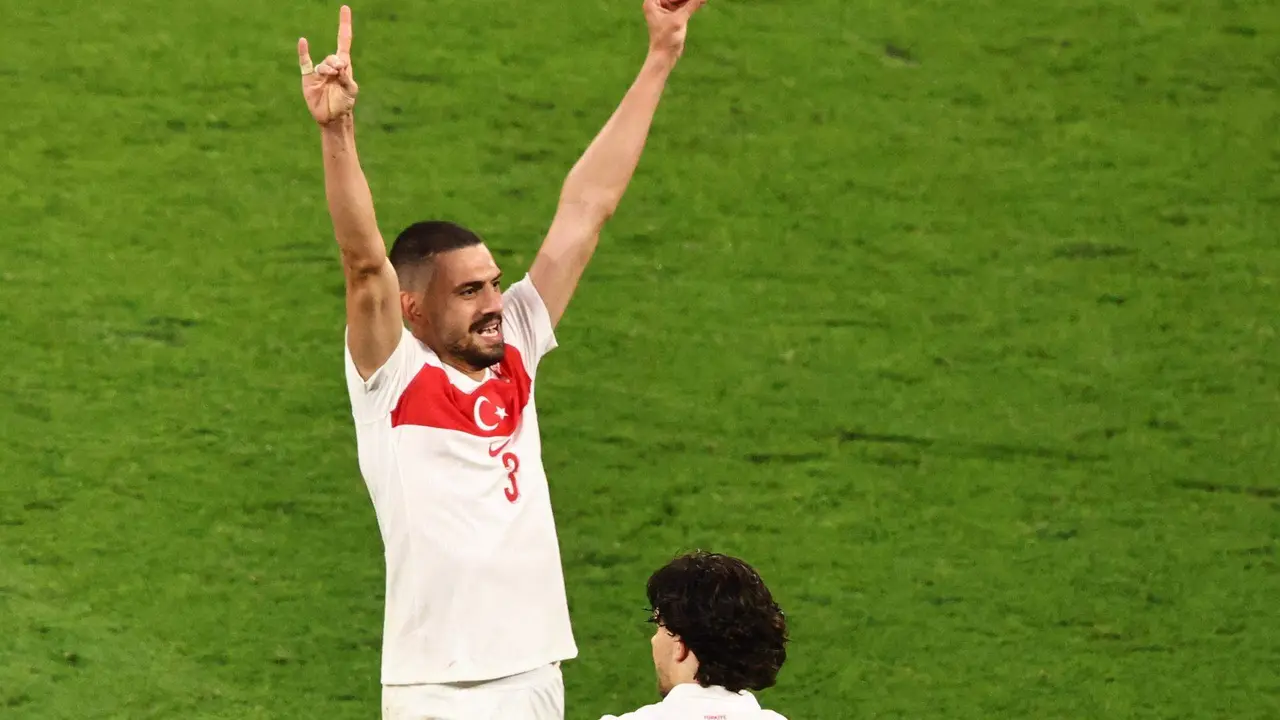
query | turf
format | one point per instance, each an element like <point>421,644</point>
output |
<point>957,319</point>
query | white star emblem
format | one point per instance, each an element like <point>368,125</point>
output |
<point>501,413</point>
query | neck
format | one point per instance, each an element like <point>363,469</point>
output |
<point>684,676</point>
<point>463,368</point>
<point>451,360</point>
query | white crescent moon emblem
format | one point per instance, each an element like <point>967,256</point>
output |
<point>480,423</point>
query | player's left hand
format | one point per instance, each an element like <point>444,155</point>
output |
<point>669,23</point>
<point>329,88</point>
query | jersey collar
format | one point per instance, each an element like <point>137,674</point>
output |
<point>691,691</point>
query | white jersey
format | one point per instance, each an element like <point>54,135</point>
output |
<point>690,701</point>
<point>474,584</point>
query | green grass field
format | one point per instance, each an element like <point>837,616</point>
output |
<point>957,319</point>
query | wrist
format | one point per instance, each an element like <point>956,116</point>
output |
<point>338,126</point>
<point>662,58</point>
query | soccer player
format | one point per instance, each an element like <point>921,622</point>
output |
<point>440,366</point>
<point>719,636</point>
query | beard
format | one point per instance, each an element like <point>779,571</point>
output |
<point>474,350</point>
<point>480,357</point>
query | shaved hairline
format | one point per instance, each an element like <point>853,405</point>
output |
<point>416,276</point>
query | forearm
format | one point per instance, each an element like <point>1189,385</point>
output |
<point>350,202</point>
<point>600,177</point>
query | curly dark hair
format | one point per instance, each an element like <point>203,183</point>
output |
<point>721,610</point>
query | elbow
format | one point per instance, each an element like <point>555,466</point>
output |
<point>361,264</point>
<point>593,208</point>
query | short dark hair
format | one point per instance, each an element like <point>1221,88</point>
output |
<point>422,241</point>
<point>722,610</point>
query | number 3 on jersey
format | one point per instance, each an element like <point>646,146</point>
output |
<point>512,464</point>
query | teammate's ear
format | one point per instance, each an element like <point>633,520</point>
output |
<point>682,651</point>
<point>410,308</point>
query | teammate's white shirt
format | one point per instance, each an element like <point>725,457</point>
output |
<point>474,584</point>
<point>690,701</point>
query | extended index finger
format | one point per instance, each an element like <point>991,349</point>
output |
<point>344,31</point>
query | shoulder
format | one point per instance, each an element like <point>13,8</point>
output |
<point>526,322</point>
<point>524,293</point>
<point>521,287</point>
<point>648,712</point>
<point>392,371</point>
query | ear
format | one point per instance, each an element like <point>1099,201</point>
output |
<point>682,651</point>
<point>409,308</point>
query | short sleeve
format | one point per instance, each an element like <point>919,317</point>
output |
<point>526,324</point>
<point>375,398</point>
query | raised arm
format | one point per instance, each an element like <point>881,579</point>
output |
<point>595,185</point>
<point>374,326</point>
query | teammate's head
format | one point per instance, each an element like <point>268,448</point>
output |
<point>449,292</point>
<point>717,624</point>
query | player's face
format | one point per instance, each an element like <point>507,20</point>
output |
<point>464,307</point>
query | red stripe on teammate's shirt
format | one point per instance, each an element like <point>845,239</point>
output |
<point>430,400</point>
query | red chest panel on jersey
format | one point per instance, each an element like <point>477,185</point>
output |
<point>492,410</point>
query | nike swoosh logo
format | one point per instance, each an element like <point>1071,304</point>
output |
<point>493,452</point>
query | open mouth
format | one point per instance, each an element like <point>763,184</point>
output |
<point>491,330</point>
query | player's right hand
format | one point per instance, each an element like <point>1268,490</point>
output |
<point>329,88</point>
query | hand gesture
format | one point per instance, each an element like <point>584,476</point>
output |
<point>329,88</point>
<point>668,22</point>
